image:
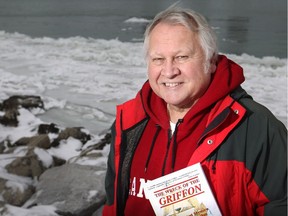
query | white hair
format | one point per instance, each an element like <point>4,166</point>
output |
<point>191,20</point>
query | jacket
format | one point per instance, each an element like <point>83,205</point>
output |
<point>242,150</point>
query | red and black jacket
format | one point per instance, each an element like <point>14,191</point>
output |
<point>242,149</point>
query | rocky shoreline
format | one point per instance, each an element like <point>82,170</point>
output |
<point>33,175</point>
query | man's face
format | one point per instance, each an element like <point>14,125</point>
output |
<point>176,65</point>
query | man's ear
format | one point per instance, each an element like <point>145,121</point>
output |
<point>213,63</point>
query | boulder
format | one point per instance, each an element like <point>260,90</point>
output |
<point>2,207</point>
<point>11,105</point>
<point>48,128</point>
<point>75,189</point>
<point>41,141</point>
<point>17,194</point>
<point>2,147</point>
<point>32,176</point>
<point>28,166</point>
<point>10,118</point>
<point>75,132</point>
<point>25,101</point>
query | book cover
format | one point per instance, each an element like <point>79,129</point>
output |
<point>185,192</point>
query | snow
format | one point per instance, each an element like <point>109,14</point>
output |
<point>137,20</point>
<point>44,157</point>
<point>27,122</point>
<point>81,80</point>
<point>67,149</point>
<point>40,210</point>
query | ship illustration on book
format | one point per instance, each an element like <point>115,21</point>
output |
<point>189,207</point>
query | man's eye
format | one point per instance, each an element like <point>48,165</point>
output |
<point>181,58</point>
<point>158,61</point>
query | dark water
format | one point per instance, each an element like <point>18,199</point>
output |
<point>255,27</point>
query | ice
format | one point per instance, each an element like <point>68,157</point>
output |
<point>82,79</point>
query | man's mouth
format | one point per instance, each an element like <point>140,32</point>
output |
<point>171,84</point>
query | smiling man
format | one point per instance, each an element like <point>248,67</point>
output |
<point>176,68</point>
<point>192,109</point>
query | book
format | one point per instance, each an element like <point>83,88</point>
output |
<point>185,192</point>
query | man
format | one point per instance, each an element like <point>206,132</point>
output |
<point>191,110</point>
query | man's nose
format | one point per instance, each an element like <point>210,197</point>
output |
<point>170,69</point>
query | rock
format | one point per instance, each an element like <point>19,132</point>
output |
<point>39,177</point>
<point>25,101</point>
<point>2,184</point>
<point>17,196</point>
<point>75,189</point>
<point>48,128</point>
<point>98,146</point>
<point>11,105</point>
<point>104,141</point>
<point>10,118</point>
<point>2,147</point>
<point>75,132</point>
<point>58,161</point>
<point>23,141</point>
<point>41,141</point>
<point>16,192</point>
<point>2,208</point>
<point>28,166</point>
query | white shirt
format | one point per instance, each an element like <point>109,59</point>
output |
<point>172,127</point>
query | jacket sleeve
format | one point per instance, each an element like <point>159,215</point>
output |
<point>267,160</point>
<point>274,178</point>
<point>109,207</point>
